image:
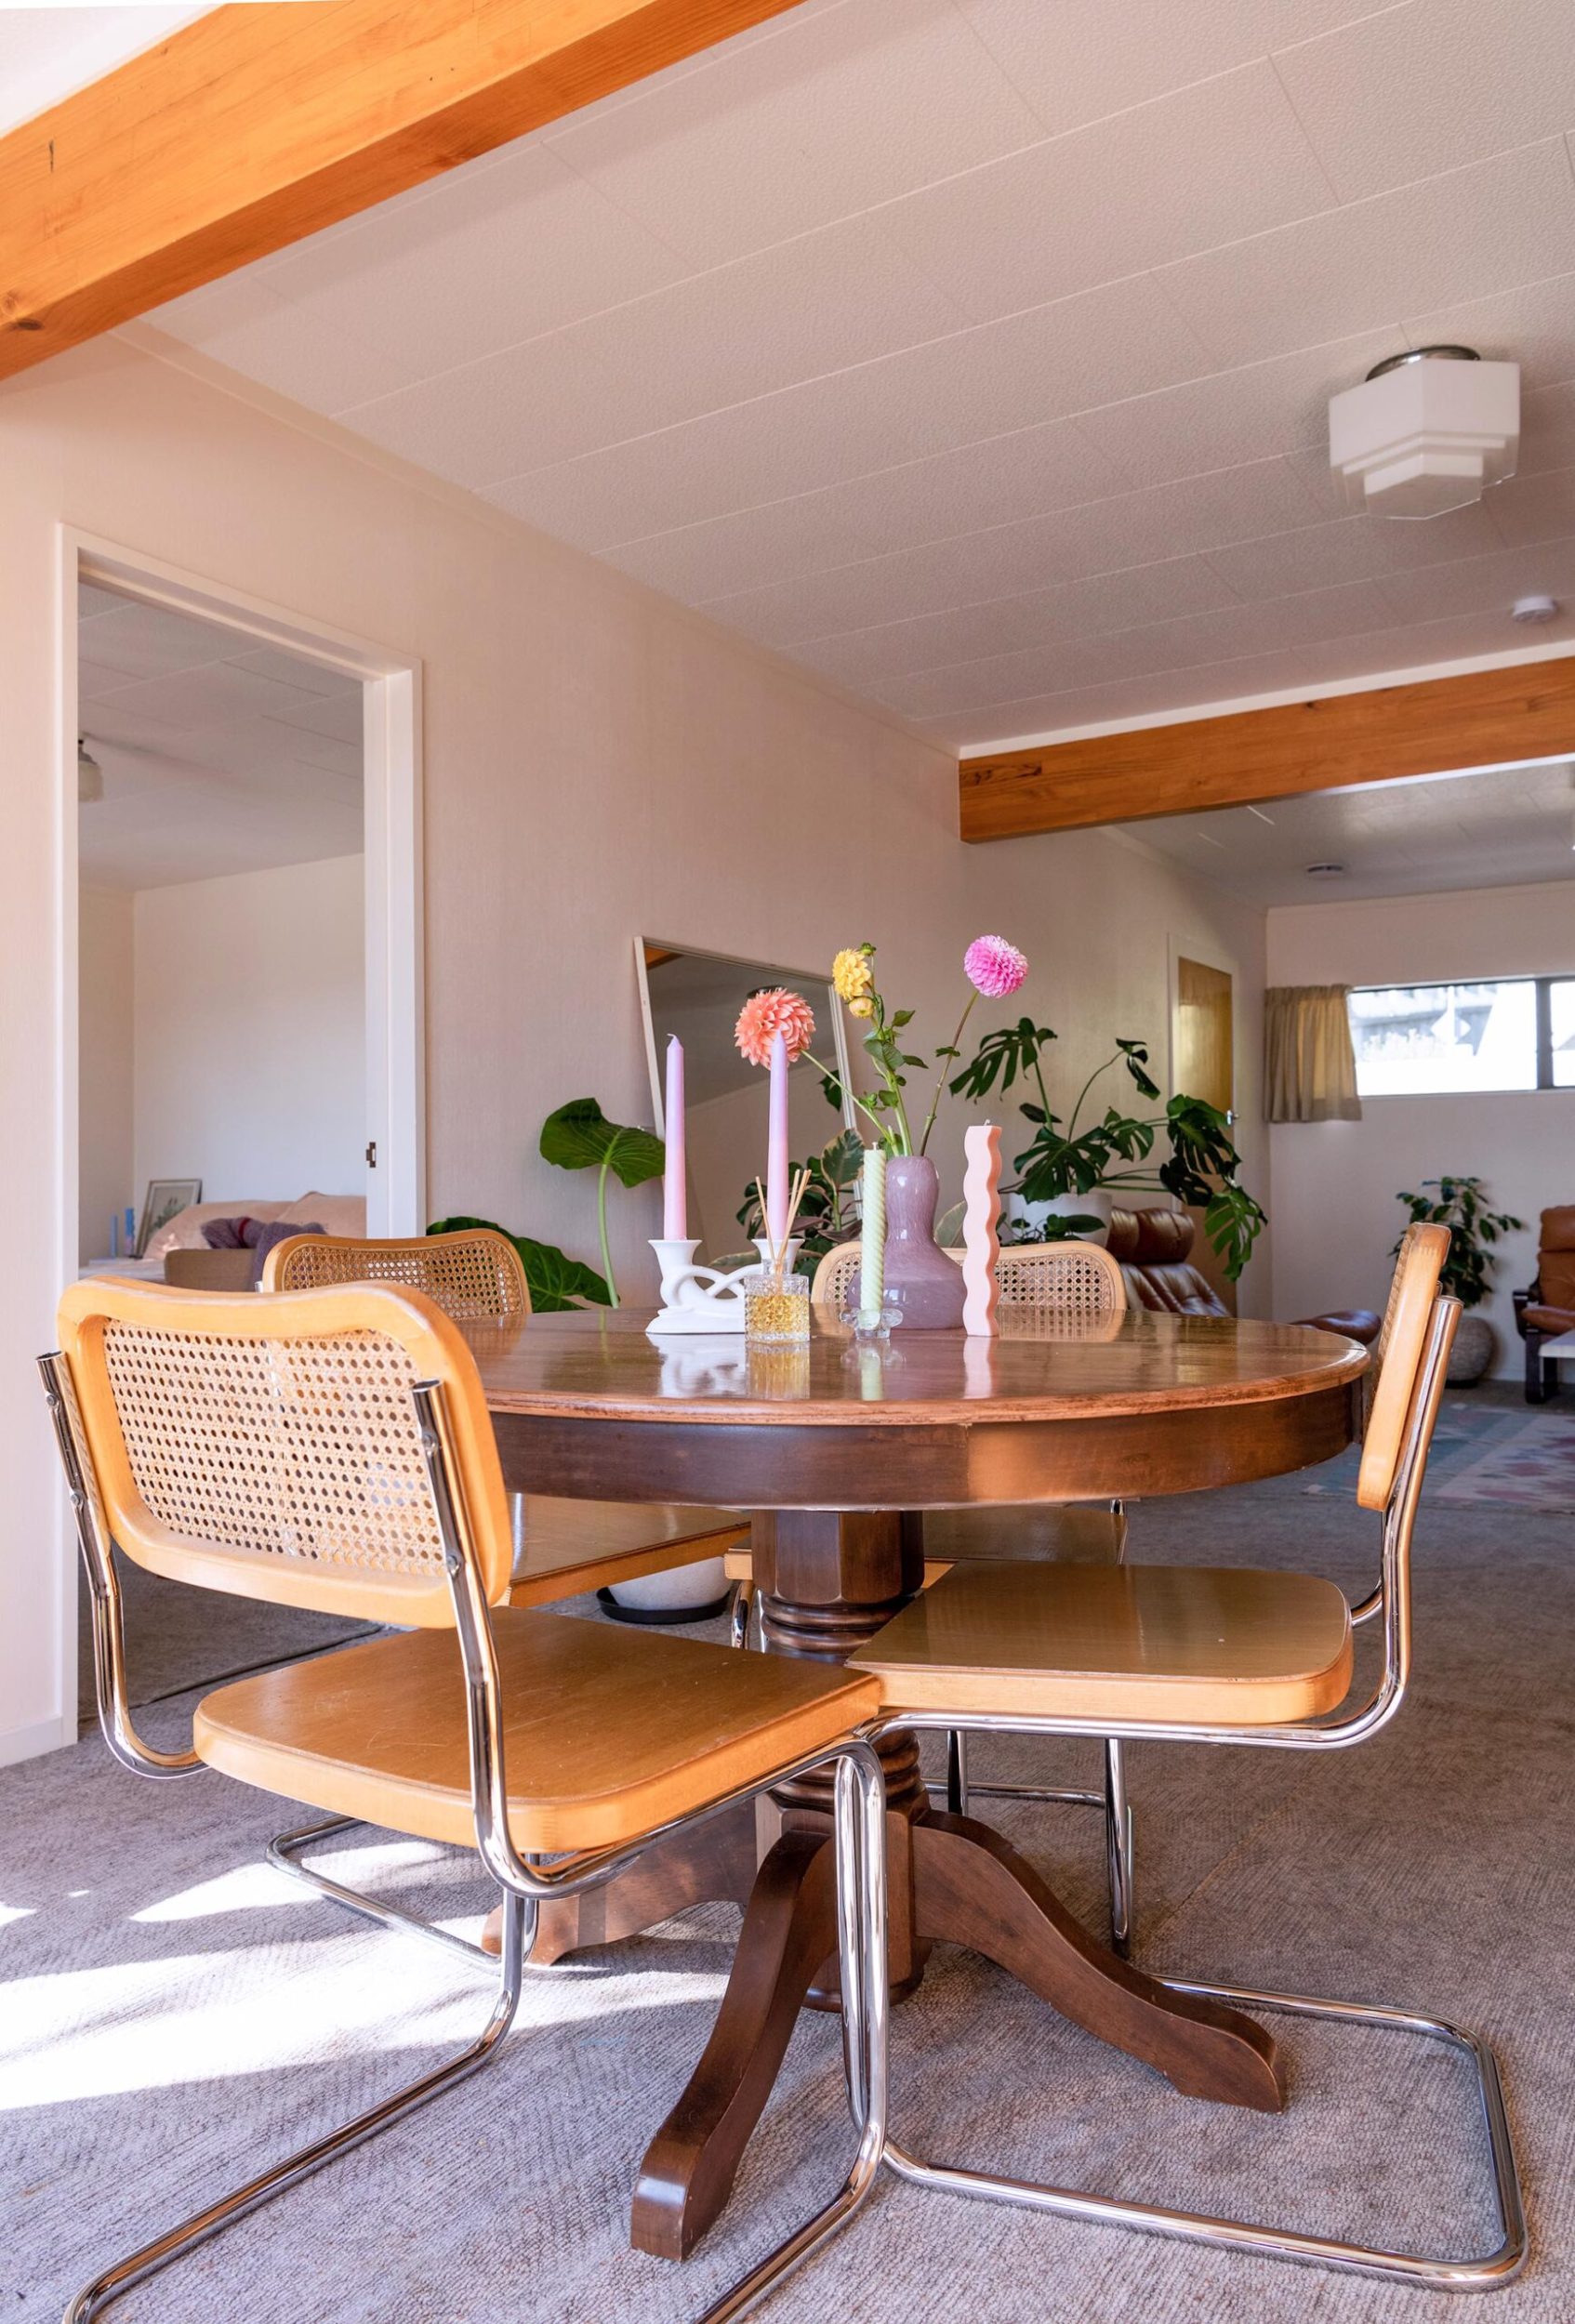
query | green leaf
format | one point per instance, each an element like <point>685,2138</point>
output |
<point>555,1280</point>
<point>579,1137</point>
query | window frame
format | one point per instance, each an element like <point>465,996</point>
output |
<point>1541,988</point>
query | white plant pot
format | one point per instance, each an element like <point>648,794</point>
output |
<point>1097,1204</point>
<point>681,1589</point>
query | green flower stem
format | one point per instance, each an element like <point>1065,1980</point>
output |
<point>829,1073</point>
<point>940,1077</point>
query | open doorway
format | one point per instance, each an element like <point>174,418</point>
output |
<point>243,1021</point>
<point>221,941</point>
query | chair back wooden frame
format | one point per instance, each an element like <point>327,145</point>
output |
<point>474,1274</point>
<point>1074,1278</point>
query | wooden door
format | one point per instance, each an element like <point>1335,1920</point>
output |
<point>1204,1066</point>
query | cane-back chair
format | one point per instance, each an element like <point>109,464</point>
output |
<point>332,1449</point>
<point>1222,1656</point>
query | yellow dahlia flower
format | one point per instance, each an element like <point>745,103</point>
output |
<point>854,978</point>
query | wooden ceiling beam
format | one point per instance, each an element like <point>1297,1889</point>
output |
<point>1433,726</point>
<point>252,126</point>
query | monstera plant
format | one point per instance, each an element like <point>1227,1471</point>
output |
<point>578,1137</point>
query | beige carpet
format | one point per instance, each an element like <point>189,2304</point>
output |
<point>173,2014</point>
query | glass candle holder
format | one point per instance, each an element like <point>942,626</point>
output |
<point>776,1309</point>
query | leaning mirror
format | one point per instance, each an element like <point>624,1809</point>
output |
<point>697,995</point>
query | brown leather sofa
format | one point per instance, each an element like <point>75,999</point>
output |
<point>1155,1247</point>
<point>1546,1310</point>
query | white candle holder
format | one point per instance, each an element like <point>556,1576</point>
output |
<point>704,1298</point>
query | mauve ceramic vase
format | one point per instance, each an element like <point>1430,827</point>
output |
<point>925,1283</point>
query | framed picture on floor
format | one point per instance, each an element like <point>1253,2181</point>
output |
<point>163,1198</point>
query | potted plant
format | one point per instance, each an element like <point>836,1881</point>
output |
<point>1070,1174</point>
<point>1460,1205</point>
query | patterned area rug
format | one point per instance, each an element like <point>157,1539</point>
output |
<point>1487,1451</point>
<point>1529,1466</point>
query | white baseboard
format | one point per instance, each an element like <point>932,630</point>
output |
<point>49,1735</point>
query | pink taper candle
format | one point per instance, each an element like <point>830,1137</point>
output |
<point>675,1206</point>
<point>776,1146</point>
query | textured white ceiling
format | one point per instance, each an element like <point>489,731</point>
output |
<point>975,352</point>
<point>1494,828</point>
<point>47,53</point>
<point>218,755</point>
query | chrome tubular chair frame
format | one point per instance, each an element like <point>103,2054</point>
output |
<point>1391,1598</point>
<point>859,1840</point>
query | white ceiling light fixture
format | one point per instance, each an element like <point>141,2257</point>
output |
<point>1427,431</point>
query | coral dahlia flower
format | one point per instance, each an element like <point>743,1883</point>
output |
<point>766,1014</point>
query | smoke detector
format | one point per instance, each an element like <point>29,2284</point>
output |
<point>1427,431</point>
<point>1534,608</point>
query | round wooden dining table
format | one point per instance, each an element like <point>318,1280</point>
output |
<point>836,1450</point>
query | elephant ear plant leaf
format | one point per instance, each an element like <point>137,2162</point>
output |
<point>555,1281</point>
<point>579,1137</point>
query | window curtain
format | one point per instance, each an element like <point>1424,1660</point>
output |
<point>1309,1065</point>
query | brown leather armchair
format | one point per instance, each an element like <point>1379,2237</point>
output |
<point>1154,1248</point>
<point>1546,1310</point>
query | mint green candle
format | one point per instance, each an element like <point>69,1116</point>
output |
<point>872,1237</point>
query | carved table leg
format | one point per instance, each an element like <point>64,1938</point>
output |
<point>689,2167</point>
<point>972,1888</point>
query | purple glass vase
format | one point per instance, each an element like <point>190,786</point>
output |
<point>925,1283</point>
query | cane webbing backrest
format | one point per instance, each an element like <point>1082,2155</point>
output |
<point>833,1284</point>
<point>1073,1278</point>
<point>1398,1358</point>
<point>474,1274</point>
<point>270,1447</point>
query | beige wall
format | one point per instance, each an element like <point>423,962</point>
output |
<point>251,1032</point>
<point>598,763</point>
<point>107,1174</point>
<point>1335,1183</point>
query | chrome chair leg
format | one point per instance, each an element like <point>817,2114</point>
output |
<point>743,1599</point>
<point>1485,2273</point>
<point>958,1792</point>
<point>860,1841</point>
<point>287,1853</point>
<point>1119,1846</point>
<point>519,1918</point>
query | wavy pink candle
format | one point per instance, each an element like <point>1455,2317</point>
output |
<point>675,1206</point>
<point>776,1145</point>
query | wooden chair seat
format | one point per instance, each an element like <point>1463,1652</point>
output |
<point>608,1736</point>
<point>566,1547</point>
<point>1209,1646</point>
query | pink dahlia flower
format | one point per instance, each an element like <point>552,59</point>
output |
<point>764,1015</point>
<point>993,967</point>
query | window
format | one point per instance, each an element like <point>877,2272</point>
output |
<point>1515,1033</point>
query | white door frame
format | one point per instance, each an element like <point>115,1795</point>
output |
<point>395,980</point>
